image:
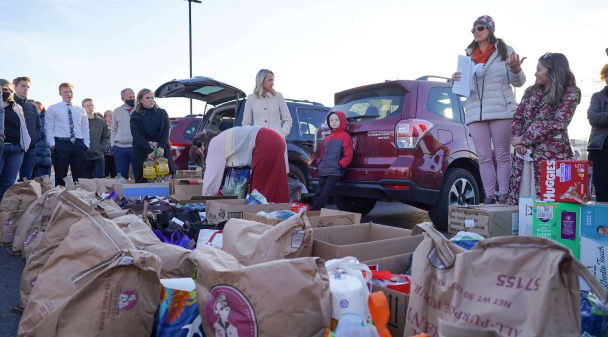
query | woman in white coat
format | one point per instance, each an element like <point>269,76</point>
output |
<point>491,105</point>
<point>267,107</point>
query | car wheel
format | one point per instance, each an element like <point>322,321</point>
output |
<point>459,188</point>
<point>354,204</point>
<point>296,173</point>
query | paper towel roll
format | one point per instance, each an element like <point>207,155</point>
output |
<point>348,295</point>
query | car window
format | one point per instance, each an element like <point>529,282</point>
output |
<point>442,102</point>
<point>310,121</point>
<point>371,104</point>
<point>190,131</point>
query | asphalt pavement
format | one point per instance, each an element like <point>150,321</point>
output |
<point>393,214</point>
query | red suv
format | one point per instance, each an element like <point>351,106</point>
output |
<point>410,145</point>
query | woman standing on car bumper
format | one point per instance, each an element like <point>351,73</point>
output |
<point>267,107</point>
<point>490,107</point>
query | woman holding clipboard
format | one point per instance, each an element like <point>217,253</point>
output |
<point>491,104</point>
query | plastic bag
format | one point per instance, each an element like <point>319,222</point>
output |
<point>466,240</point>
<point>594,316</point>
<point>348,279</point>
<point>353,325</point>
<point>256,198</point>
<point>176,238</point>
<point>281,215</point>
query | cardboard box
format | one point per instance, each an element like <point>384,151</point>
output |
<point>594,241</point>
<point>565,181</point>
<point>323,218</point>
<point>142,190</point>
<point>363,241</point>
<point>526,212</point>
<point>397,301</point>
<point>201,199</point>
<point>486,220</point>
<point>221,210</point>
<point>558,221</point>
<point>188,174</point>
<point>185,189</point>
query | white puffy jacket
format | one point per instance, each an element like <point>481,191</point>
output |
<point>491,95</point>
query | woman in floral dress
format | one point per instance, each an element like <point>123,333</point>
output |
<point>540,123</point>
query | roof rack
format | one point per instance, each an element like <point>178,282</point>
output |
<point>302,101</point>
<point>428,77</point>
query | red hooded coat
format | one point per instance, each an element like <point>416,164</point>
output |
<point>336,151</point>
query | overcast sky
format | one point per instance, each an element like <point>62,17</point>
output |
<point>315,47</point>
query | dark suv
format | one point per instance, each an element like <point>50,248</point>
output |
<point>410,145</point>
<point>227,104</point>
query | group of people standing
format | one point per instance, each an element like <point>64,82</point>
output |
<point>536,128</point>
<point>68,137</point>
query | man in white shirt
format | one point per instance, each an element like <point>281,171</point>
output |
<point>67,132</point>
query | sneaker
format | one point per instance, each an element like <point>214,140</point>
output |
<point>502,198</point>
<point>489,201</point>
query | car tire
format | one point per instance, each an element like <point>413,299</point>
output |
<point>354,204</point>
<point>459,188</point>
<point>296,173</point>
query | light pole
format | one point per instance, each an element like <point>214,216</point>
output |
<point>190,35</point>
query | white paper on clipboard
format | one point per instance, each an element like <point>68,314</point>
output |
<point>462,87</point>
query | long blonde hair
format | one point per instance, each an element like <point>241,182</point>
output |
<point>138,106</point>
<point>259,83</point>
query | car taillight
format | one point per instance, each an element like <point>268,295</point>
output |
<point>409,132</point>
<point>178,147</point>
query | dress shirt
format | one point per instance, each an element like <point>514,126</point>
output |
<point>57,123</point>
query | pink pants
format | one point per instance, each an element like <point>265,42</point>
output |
<point>497,133</point>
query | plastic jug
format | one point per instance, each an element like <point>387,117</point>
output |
<point>162,166</point>
<point>149,170</point>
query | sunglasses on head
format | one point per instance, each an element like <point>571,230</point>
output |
<point>547,56</point>
<point>478,28</point>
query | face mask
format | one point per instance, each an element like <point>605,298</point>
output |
<point>130,102</point>
<point>5,95</point>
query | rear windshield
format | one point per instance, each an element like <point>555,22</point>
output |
<point>372,104</point>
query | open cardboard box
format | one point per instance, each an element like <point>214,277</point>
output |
<point>364,241</point>
<point>221,210</point>
<point>185,189</point>
<point>397,301</point>
<point>486,220</point>
<point>200,199</point>
<point>188,174</point>
<point>323,218</point>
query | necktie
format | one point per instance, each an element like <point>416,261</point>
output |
<point>72,135</point>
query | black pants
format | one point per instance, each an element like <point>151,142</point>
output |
<point>600,177</point>
<point>109,166</point>
<point>68,155</point>
<point>326,186</point>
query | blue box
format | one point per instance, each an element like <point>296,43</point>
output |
<point>594,241</point>
<point>142,190</point>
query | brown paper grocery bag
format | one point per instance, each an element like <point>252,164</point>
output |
<point>251,242</point>
<point>175,262</point>
<point>37,214</point>
<point>95,283</point>
<point>71,206</point>
<point>98,185</point>
<point>45,183</point>
<point>14,203</point>
<point>276,298</point>
<point>505,286</point>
